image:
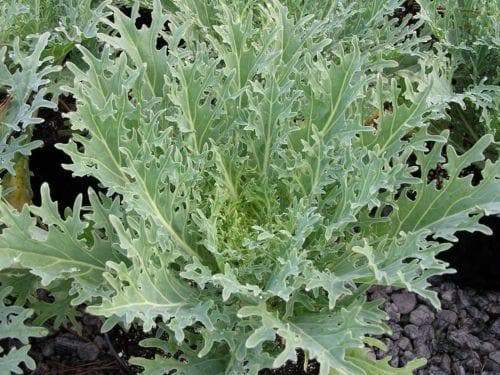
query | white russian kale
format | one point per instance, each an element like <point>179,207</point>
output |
<point>264,178</point>
<point>12,326</point>
<point>468,34</point>
<point>23,78</point>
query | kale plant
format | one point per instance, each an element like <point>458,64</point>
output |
<point>263,170</point>
<point>466,33</point>
<point>12,327</point>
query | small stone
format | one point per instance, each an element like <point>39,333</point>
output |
<point>411,331</point>
<point>68,343</point>
<point>482,302</point>
<point>446,317</point>
<point>409,355</point>
<point>435,370</point>
<point>493,296</point>
<point>476,314</point>
<point>396,331</point>
<point>394,362</point>
<point>495,327</point>
<point>403,343</point>
<point>446,363</point>
<point>492,366</point>
<point>461,355</point>
<point>88,352</point>
<point>422,350</point>
<point>421,315</point>
<point>392,311</point>
<point>474,363</point>
<point>494,309</point>
<point>495,356</point>
<point>378,292</point>
<point>426,332</point>
<point>463,298</point>
<point>457,369</point>
<point>462,338</point>
<point>495,342</point>
<point>448,295</point>
<point>404,301</point>
<point>388,342</point>
<point>487,347</point>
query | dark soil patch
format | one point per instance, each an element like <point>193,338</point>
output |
<point>295,368</point>
<point>476,258</point>
<point>46,162</point>
<point>145,19</point>
<point>89,352</point>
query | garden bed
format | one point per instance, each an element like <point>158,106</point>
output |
<point>261,171</point>
<point>462,338</point>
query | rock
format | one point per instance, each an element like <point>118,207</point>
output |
<point>378,292</point>
<point>493,296</point>
<point>392,311</point>
<point>421,315</point>
<point>495,356</point>
<point>495,328</point>
<point>448,292</point>
<point>67,342</point>
<point>474,364</point>
<point>408,355</point>
<point>462,315</point>
<point>486,347</point>
<point>457,369</point>
<point>494,309</point>
<point>396,331</point>
<point>435,370</point>
<point>446,317</point>
<point>463,298</point>
<point>403,343</point>
<point>448,295</point>
<point>411,331</point>
<point>86,351</point>
<point>495,342</point>
<point>461,338</point>
<point>476,314</point>
<point>426,332</point>
<point>404,301</point>
<point>446,363</point>
<point>492,366</point>
<point>482,302</point>
<point>461,355</point>
<point>422,349</point>
<point>394,362</point>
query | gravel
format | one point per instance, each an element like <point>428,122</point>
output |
<point>463,337</point>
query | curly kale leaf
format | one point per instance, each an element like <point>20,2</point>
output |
<point>12,326</point>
